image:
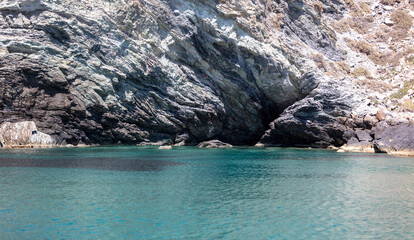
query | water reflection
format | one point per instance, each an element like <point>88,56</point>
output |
<point>114,164</point>
<point>212,194</point>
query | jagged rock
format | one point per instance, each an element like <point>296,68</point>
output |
<point>214,144</point>
<point>112,72</point>
<point>312,121</point>
<point>179,72</point>
<point>362,135</point>
<point>23,134</point>
<point>397,140</point>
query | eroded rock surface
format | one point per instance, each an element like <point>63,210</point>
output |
<point>316,121</point>
<point>397,140</point>
<point>149,71</point>
<point>180,72</point>
<point>23,135</point>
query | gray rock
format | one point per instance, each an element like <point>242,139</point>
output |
<point>174,72</point>
<point>362,135</point>
<point>397,139</point>
<point>214,144</point>
<point>184,140</point>
<point>112,72</point>
<point>349,134</point>
<point>352,141</point>
<point>379,128</point>
<point>312,121</point>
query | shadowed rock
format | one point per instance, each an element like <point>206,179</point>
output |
<point>109,72</point>
<point>312,121</point>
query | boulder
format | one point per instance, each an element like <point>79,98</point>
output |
<point>363,136</point>
<point>214,144</point>
<point>353,140</point>
<point>381,115</point>
<point>311,122</point>
<point>23,135</point>
<point>398,140</point>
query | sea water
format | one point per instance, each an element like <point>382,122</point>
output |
<point>191,193</point>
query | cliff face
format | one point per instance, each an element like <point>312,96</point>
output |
<point>178,71</point>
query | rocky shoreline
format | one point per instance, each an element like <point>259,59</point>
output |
<point>283,73</point>
<point>381,138</point>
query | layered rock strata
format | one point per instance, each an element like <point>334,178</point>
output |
<point>180,72</point>
<point>397,140</point>
<point>149,71</point>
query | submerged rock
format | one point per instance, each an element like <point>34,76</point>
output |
<point>23,135</point>
<point>214,144</point>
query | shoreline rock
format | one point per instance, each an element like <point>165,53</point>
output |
<point>364,147</point>
<point>396,140</point>
<point>23,135</point>
<point>214,144</point>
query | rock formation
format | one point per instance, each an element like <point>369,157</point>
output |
<point>23,134</point>
<point>397,140</point>
<point>180,72</point>
<point>214,144</point>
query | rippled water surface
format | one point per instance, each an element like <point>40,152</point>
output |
<point>190,193</point>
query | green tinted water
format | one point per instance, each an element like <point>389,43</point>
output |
<point>191,193</point>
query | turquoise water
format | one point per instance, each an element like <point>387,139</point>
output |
<point>190,193</point>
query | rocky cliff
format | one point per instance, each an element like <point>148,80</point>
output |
<point>289,72</point>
